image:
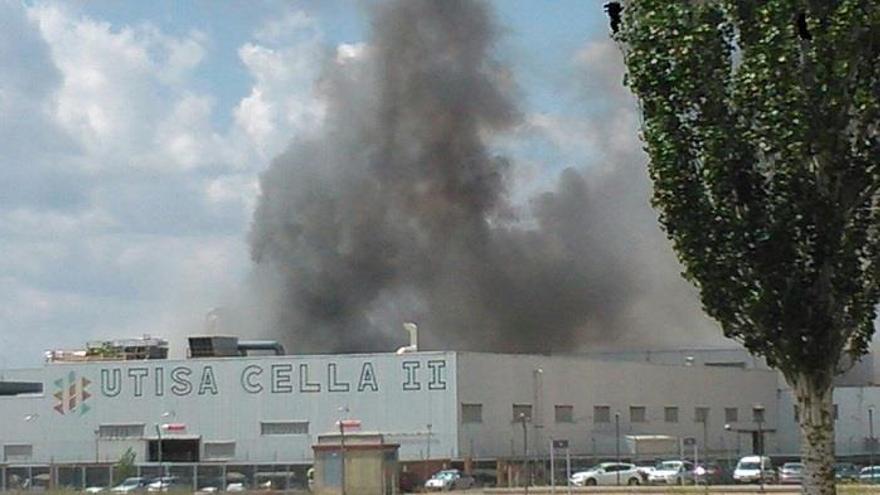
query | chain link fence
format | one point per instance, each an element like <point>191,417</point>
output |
<point>206,477</point>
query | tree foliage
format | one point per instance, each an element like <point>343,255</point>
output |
<point>125,466</point>
<point>761,120</point>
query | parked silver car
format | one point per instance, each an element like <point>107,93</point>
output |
<point>130,485</point>
<point>449,479</point>
<point>672,473</point>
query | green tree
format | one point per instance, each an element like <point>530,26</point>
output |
<point>761,121</point>
<point>124,467</point>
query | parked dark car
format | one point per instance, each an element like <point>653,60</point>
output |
<point>846,472</point>
<point>712,474</point>
<point>488,478</point>
<point>408,482</point>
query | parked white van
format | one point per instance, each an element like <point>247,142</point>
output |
<point>754,469</point>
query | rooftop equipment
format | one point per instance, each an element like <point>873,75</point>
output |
<point>213,346</point>
<point>222,346</point>
<point>136,349</point>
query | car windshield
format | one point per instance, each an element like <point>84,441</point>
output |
<point>750,465</point>
<point>793,466</point>
<point>131,481</point>
<point>669,465</point>
<point>444,475</point>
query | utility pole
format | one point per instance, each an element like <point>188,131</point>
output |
<point>617,443</point>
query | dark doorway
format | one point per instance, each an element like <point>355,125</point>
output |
<point>758,442</point>
<point>174,450</point>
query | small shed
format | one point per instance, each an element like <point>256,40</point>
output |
<point>363,461</point>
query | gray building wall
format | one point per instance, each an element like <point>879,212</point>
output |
<point>498,381</point>
<point>415,399</point>
<point>225,400</point>
<point>852,429</point>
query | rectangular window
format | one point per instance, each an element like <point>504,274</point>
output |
<point>521,411</point>
<point>701,414</point>
<point>836,411</point>
<point>18,452</point>
<point>471,413</point>
<point>638,414</point>
<point>218,451</point>
<point>564,414</point>
<point>131,430</point>
<point>758,414</point>
<point>731,415</point>
<point>601,414</point>
<point>797,413</point>
<point>670,414</point>
<point>284,427</point>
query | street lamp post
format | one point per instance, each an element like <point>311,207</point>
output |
<point>729,427</point>
<point>617,443</point>
<point>758,413</point>
<point>428,445</point>
<point>342,410</point>
<point>871,440</point>
<point>523,418</point>
<point>164,415</point>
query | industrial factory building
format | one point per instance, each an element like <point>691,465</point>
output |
<point>218,405</point>
<point>244,402</point>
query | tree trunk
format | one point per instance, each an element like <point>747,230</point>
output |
<point>816,421</point>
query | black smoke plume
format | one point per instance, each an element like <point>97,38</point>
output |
<point>398,210</point>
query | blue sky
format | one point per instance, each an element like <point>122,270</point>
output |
<point>132,136</point>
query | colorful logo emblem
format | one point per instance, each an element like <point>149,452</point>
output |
<point>72,394</point>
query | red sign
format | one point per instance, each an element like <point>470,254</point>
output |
<point>349,424</point>
<point>174,427</point>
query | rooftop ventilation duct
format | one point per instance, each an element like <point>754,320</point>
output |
<point>413,346</point>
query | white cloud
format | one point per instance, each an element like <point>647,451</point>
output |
<point>128,201</point>
<point>118,85</point>
<point>281,103</point>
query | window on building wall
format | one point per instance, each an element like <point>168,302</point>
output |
<point>217,451</point>
<point>797,413</point>
<point>701,414</point>
<point>601,414</point>
<point>564,414</point>
<point>131,430</point>
<point>18,452</point>
<point>836,412</point>
<point>284,427</point>
<point>731,415</point>
<point>670,414</point>
<point>522,410</point>
<point>758,414</point>
<point>471,413</point>
<point>638,414</point>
